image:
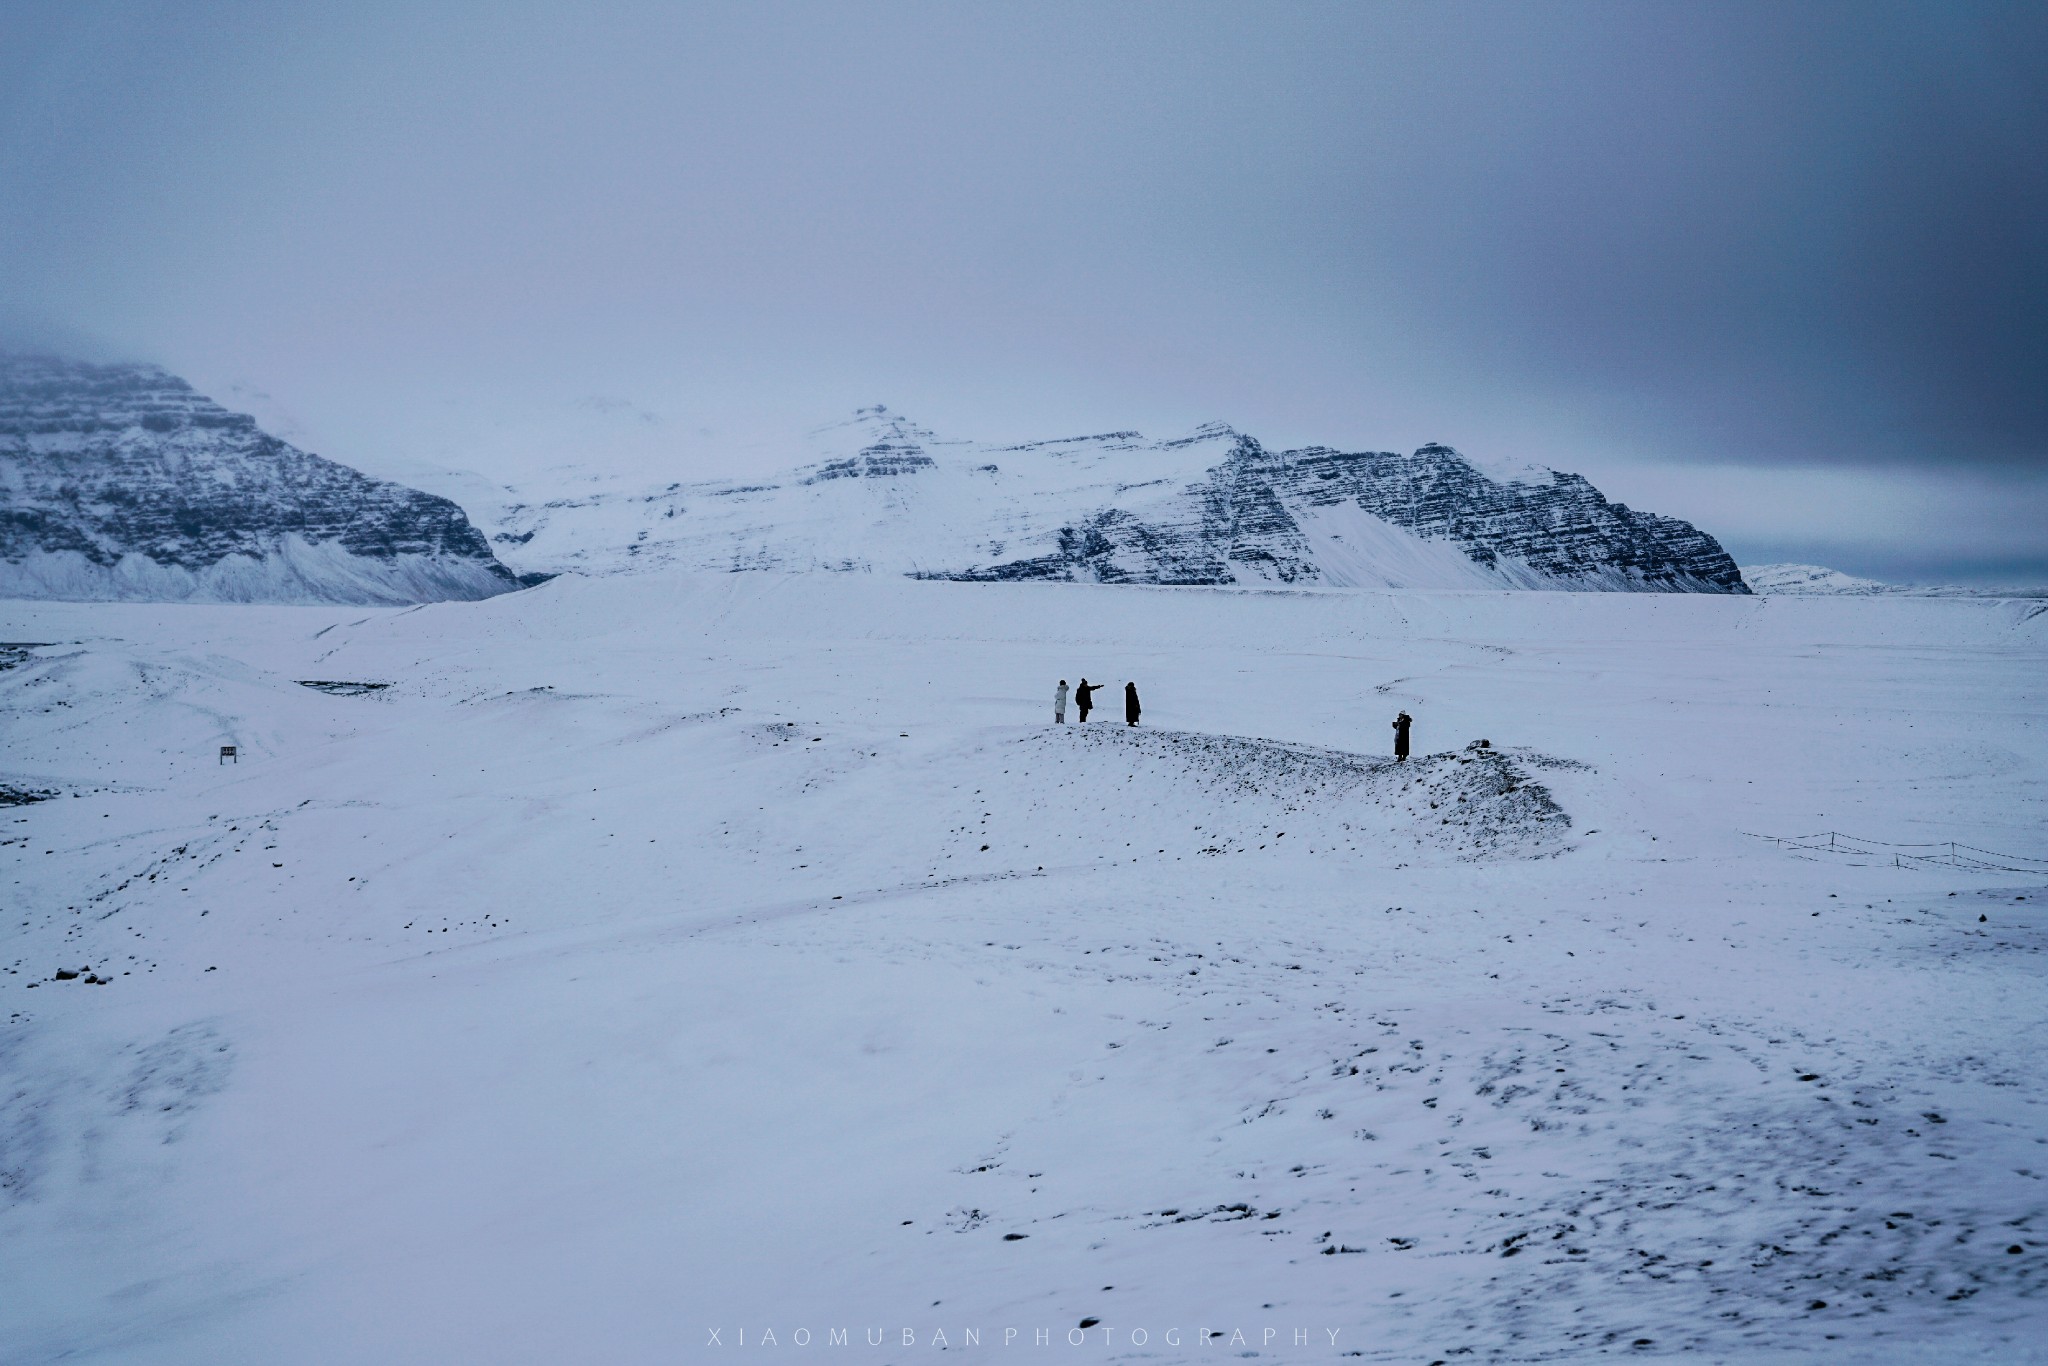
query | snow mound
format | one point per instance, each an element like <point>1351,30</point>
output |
<point>1214,796</point>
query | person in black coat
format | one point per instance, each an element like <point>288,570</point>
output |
<point>1130,704</point>
<point>1084,699</point>
<point>1401,724</point>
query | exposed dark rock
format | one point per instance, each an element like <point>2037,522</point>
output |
<point>1242,525</point>
<point>121,481</point>
<point>340,688</point>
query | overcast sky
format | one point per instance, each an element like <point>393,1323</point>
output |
<point>1781,269</point>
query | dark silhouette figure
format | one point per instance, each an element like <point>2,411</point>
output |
<point>1401,724</point>
<point>1084,698</point>
<point>1130,704</point>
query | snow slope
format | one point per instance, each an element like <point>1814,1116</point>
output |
<point>668,956</point>
<point>880,494</point>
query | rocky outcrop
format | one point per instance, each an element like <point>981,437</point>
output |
<point>121,482</point>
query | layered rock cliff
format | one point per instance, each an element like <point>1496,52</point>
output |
<point>121,482</point>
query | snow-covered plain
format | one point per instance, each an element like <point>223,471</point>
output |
<point>661,964</point>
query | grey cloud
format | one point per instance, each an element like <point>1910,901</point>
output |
<point>1699,237</point>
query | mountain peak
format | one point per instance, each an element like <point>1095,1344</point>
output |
<point>1208,431</point>
<point>870,424</point>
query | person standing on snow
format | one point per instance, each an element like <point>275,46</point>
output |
<point>1401,724</point>
<point>1059,704</point>
<point>1084,698</point>
<point>1130,704</point>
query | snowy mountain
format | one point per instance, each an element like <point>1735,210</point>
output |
<point>120,482</point>
<point>1816,580</point>
<point>884,495</point>
<point>1809,579</point>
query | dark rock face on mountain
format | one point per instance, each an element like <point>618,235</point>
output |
<point>877,461</point>
<point>1245,522</point>
<point>120,482</point>
<point>1562,529</point>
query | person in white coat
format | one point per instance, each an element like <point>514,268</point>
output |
<point>1059,704</point>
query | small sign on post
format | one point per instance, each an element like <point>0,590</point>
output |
<point>227,752</point>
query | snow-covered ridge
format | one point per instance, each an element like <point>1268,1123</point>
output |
<point>119,482</point>
<point>884,495</point>
<point>1812,580</point>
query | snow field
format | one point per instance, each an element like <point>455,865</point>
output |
<point>632,967</point>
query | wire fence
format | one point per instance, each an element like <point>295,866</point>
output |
<point>1864,853</point>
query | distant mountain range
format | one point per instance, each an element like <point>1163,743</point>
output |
<point>883,495</point>
<point>120,482</point>
<point>1812,580</point>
